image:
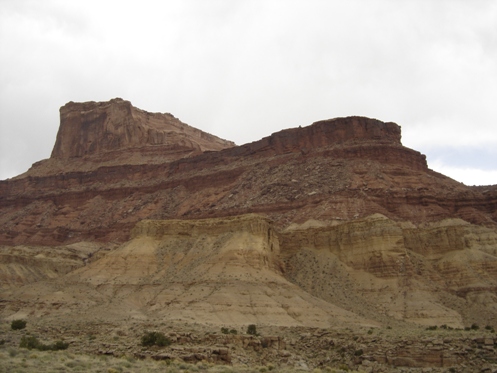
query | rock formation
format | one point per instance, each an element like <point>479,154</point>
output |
<point>138,215</point>
<point>338,169</point>
<point>94,129</point>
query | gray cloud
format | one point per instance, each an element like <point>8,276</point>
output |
<point>242,70</point>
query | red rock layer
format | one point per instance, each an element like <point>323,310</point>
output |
<point>93,128</point>
<point>107,173</point>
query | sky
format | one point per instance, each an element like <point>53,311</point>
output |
<point>243,69</point>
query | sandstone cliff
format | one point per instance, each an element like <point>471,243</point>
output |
<point>337,169</point>
<point>93,129</point>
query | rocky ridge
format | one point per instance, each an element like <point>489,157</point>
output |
<point>338,169</point>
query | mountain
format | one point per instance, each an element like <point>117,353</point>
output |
<point>139,216</point>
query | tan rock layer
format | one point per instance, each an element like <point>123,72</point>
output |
<point>244,270</point>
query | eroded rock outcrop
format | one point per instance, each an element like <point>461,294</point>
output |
<point>92,129</point>
<point>426,274</point>
<point>355,226</point>
<point>216,271</point>
<point>114,165</point>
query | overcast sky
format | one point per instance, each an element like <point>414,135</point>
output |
<point>244,69</point>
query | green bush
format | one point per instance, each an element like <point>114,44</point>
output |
<point>229,331</point>
<point>31,342</point>
<point>155,339</point>
<point>490,328</point>
<point>252,329</point>
<point>18,324</point>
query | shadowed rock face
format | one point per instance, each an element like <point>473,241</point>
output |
<point>349,221</point>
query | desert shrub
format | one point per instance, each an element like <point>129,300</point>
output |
<point>233,331</point>
<point>433,327</point>
<point>252,329</point>
<point>490,328</point>
<point>155,339</point>
<point>18,324</point>
<point>370,331</point>
<point>31,342</point>
<point>225,330</point>
<point>474,327</point>
<point>358,352</point>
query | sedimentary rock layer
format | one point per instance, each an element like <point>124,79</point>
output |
<point>92,129</point>
<point>114,165</point>
<point>355,227</point>
<point>218,271</point>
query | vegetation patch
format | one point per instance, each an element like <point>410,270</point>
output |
<point>18,324</point>
<point>155,339</point>
<point>31,342</point>
<point>252,329</point>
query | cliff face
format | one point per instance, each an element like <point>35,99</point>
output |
<point>94,128</point>
<point>114,165</point>
<point>349,221</point>
<point>429,274</point>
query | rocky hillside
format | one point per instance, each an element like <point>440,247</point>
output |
<point>140,216</point>
<point>334,170</point>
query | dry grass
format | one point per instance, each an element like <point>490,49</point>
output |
<point>20,360</point>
